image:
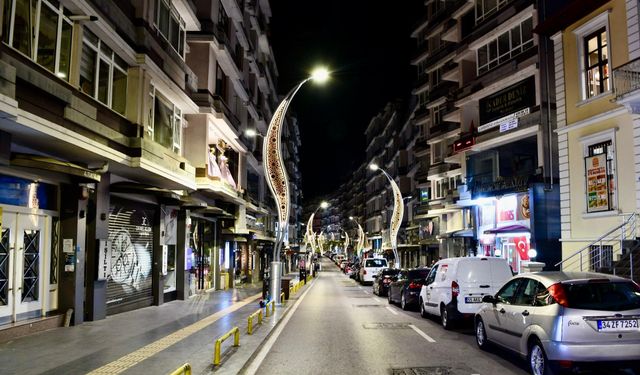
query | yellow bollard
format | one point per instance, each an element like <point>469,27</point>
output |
<point>236,342</point>
<point>184,369</point>
<point>282,297</point>
<point>250,320</point>
<point>273,307</point>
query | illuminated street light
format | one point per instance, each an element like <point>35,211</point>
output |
<point>396,216</point>
<point>251,133</point>
<point>277,178</point>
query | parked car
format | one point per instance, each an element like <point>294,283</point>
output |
<point>455,286</point>
<point>342,264</point>
<point>405,289</point>
<point>338,259</point>
<point>383,279</point>
<point>370,267</point>
<point>354,270</point>
<point>561,320</point>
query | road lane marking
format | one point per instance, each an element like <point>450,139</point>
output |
<point>426,337</point>
<point>123,363</point>
<point>394,312</point>
<point>375,299</point>
<point>266,348</point>
<point>360,287</point>
<point>365,292</point>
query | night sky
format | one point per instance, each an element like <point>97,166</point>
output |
<point>367,46</point>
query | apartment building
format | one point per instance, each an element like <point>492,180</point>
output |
<point>486,111</point>
<point>125,178</point>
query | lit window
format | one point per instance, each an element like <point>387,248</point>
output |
<point>41,30</point>
<point>486,8</point>
<point>600,171</point>
<point>171,26</point>
<point>596,63</point>
<point>506,46</point>
<point>103,74</point>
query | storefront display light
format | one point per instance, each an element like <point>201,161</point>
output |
<point>532,253</point>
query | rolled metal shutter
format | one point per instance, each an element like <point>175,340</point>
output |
<point>129,286</point>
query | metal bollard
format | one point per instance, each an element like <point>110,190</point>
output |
<point>236,342</point>
<point>282,297</point>
<point>250,320</point>
<point>184,369</point>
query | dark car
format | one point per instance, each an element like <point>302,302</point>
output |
<point>383,279</point>
<point>406,288</point>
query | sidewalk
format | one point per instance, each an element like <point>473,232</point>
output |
<point>170,335</point>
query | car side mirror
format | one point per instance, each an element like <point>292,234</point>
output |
<point>489,299</point>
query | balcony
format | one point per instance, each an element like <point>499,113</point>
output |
<point>450,71</point>
<point>443,128</point>
<point>626,79</point>
<point>421,114</point>
<point>204,98</point>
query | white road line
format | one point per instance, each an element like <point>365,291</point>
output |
<point>375,299</point>
<point>394,312</point>
<point>257,361</point>
<point>426,337</point>
<point>359,286</point>
<point>365,292</point>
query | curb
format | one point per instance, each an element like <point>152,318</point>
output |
<point>251,358</point>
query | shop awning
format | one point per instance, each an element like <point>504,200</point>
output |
<point>508,229</point>
<point>54,165</point>
<point>130,187</point>
<point>213,211</point>
<point>191,203</point>
<point>459,233</point>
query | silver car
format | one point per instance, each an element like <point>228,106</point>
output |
<point>564,320</point>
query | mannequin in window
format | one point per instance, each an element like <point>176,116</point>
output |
<point>224,167</point>
<point>213,168</point>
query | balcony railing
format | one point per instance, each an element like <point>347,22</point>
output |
<point>626,78</point>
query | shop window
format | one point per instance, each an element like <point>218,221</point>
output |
<point>165,124</point>
<point>171,26</point>
<point>506,46</point>
<point>40,29</point>
<point>103,74</point>
<point>596,64</point>
<point>600,172</point>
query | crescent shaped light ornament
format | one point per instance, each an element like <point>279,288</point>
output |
<point>361,238</point>
<point>346,241</point>
<point>396,216</point>
<point>276,174</point>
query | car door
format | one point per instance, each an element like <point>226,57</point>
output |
<point>520,313</point>
<point>395,288</point>
<point>496,320</point>
<point>427,296</point>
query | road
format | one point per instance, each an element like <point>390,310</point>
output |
<point>340,327</point>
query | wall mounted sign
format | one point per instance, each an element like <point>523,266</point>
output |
<point>506,102</point>
<point>104,259</point>
<point>597,186</point>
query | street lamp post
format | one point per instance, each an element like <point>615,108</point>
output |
<point>361,236</point>
<point>310,234</point>
<point>277,178</point>
<point>396,216</point>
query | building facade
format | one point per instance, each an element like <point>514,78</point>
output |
<point>125,176</point>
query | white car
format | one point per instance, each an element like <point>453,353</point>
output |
<point>455,286</point>
<point>370,268</point>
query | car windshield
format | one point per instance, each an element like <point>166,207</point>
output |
<point>418,274</point>
<point>375,263</point>
<point>390,272</point>
<point>607,296</point>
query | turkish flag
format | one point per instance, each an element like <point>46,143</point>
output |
<point>522,245</point>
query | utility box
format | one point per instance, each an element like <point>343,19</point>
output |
<point>532,266</point>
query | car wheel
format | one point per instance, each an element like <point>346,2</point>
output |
<point>538,361</point>
<point>423,312</point>
<point>403,302</point>
<point>445,318</point>
<point>481,335</point>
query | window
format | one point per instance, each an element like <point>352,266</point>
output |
<point>103,74</point>
<point>507,293</point>
<point>596,64</point>
<point>41,30</point>
<point>507,46</point>
<point>437,152</point>
<point>436,115</point>
<point>435,77</point>
<point>432,275</point>
<point>171,26</point>
<point>600,171</point>
<point>527,293</point>
<point>485,8</point>
<point>165,125</point>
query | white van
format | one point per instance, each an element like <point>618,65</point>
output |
<point>455,286</point>
<point>370,268</point>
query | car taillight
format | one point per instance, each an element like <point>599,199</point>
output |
<point>414,285</point>
<point>455,289</point>
<point>559,295</point>
<point>364,272</point>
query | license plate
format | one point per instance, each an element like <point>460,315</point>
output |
<point>472,299</point>
<point>618,325</point>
